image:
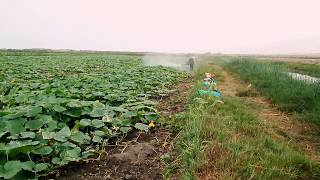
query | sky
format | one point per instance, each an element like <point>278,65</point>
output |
<point>217,26</point>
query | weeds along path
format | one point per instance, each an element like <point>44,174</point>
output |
<point>229,85</point>
<point>283,126</point>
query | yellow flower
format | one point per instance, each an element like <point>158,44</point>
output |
<point>152,124</point>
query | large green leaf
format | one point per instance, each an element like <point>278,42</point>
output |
<point>59,108</point>
<point>99,133</point>
<point>98,112</point>
<point>51,125</point>
<point>15,126</point>
<point>97,139</point>
<point>119,109</point>
<point>73,112</point>
<point>107,132</point>
<point>151,116</point>
<point>63,134</point>
<point>34,124</point>
<point>71,155</point>
<point>106,118</point>
<point>31,135</point>
<point>97,123</point>
<point>98,104</point>
<point>80,138</point>
<point>98,94</point>
<point>41,167</point>
<point>22,98</point>
<point>74,103</point>
<point>45,150</point>
<point>56,160</point>
<point>3,127</point>
<point>125,129</point>
<point>48,135</point>
<point>33,111</point>
<point>28,165</point>
<point>129,114</point>
<point>86,110</point>
<point>141,127</point>
<point>12,116</point>
<point>14,148</point>
<point>85,122</point>
<point>3,133</point>
<point>87,154</point>
<point>10,169</point>
<point>87,103</point>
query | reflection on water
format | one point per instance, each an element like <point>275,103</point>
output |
<point>303,77</point>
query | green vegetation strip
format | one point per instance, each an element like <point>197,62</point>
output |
<point>303,68</point>
<point>229,141</point>
<point>64,108</point>
<point>288,94</point>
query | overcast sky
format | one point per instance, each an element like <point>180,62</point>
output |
<point>227,26</point>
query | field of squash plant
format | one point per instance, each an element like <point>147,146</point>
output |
<point>63,108</point>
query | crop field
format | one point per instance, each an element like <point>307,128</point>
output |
<point>62,108</point>
<point>80,115</point>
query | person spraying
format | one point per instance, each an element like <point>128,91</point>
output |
<point>191,63</point>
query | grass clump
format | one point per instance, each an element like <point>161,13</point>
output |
<point>272,81</point>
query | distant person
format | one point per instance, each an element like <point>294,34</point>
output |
<point>191,63</point>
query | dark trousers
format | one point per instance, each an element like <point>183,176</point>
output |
<point>191,67</point>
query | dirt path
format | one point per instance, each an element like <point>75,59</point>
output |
<point>230,85</point>
<point>283,126</point>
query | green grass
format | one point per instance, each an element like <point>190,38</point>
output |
<point>230,141</point>
<point>288,94</point>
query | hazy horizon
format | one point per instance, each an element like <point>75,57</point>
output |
<point>247,26</point>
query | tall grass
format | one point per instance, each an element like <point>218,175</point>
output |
<point>272,81</point>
